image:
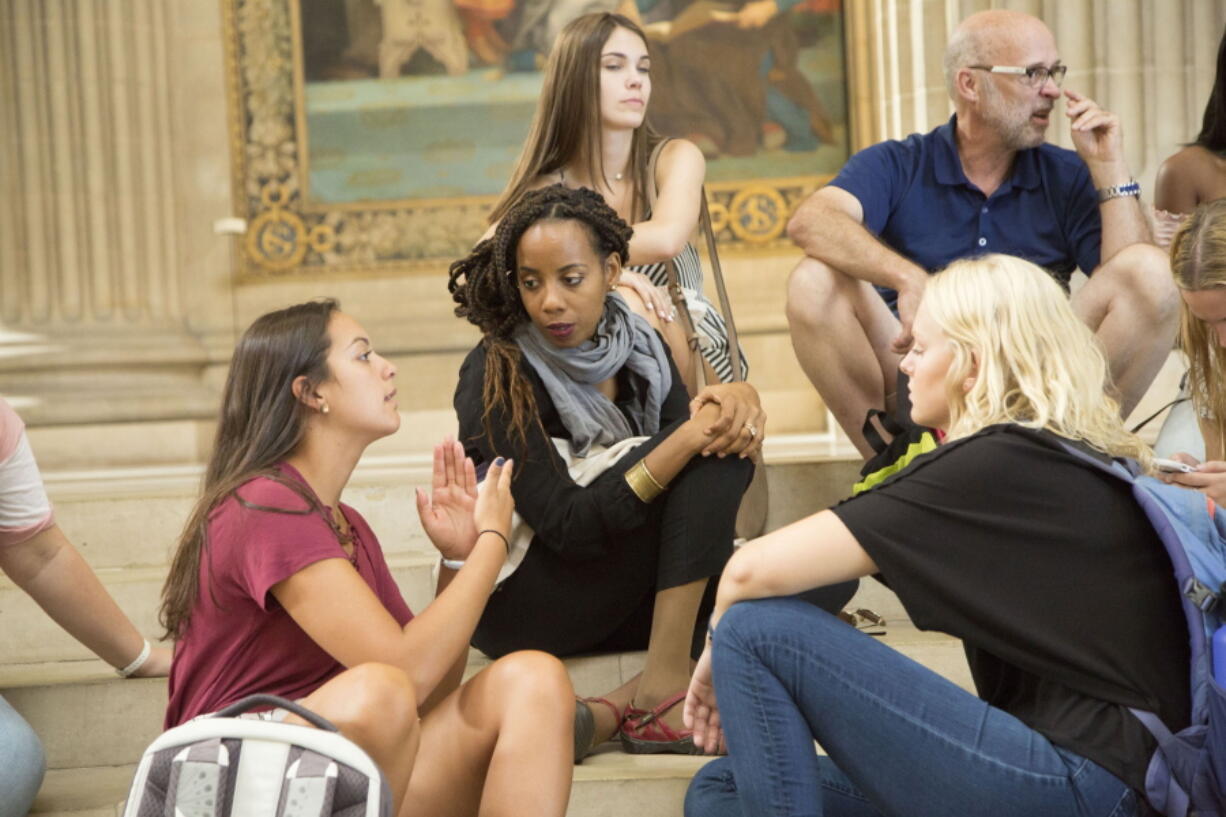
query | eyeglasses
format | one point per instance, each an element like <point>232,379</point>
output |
<point>1036,75</point>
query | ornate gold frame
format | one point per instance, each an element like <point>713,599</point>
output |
<point>286,237</point>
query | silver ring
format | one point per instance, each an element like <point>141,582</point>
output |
<point>753,431</point>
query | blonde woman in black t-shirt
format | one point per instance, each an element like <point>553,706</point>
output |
<point>1046,569</point>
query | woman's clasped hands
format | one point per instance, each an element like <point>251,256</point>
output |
<point>732,419</point>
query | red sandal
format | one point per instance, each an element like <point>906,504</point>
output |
<point>644,731</point>
<point>585,724</point>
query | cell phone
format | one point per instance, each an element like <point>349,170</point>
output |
<point>1173,466</point>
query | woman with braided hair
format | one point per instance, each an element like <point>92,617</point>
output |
<point>590,130</point>
<point>567,376</point>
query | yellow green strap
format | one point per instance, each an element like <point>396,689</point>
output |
<point>927,442</point>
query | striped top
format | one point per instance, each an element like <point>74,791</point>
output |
<point>25,510</point>
<point>708,322</point>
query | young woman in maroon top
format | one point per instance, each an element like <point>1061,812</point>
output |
<point>278,587</point>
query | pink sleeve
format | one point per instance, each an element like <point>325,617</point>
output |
<point>25,510</point>
<point>266,547</point>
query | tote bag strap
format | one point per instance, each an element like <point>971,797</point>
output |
<point>674,283</point>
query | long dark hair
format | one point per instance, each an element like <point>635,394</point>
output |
<point>1213,127</point>
<point>485,287</point>
<point>566,125</point>
<point>260,425</point>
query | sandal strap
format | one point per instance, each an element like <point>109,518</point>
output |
<point>618,715</point>
<point>642,717</point>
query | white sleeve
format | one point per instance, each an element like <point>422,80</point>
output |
<point>24,507</point>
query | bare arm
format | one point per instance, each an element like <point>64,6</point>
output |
<point>680,172</point>
<point>1175,189</point>
<point>813,552</point>
<point>455,675</point>
<point>829,226</point>
<point>1099,141</point>
<point>50,570</point>
<point>341,614</point>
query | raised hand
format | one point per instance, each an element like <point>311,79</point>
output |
<point>1096,133</point>
<point>447,512</point>
<point>494,502</point>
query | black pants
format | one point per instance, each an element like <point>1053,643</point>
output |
<point>567,607</point>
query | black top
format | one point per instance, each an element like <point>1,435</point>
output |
<point>573,521</point>
<point>1053,578</point>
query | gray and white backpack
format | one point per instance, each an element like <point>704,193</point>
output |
<point>226,766</point>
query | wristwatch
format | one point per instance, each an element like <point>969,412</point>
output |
<point>1129,188</point>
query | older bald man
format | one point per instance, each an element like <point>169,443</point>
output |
<point>985,181</point>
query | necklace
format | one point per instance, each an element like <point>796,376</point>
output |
<point>617,177</point>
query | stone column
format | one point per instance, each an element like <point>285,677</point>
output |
<point>105,208</point>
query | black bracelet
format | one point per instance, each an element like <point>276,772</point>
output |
<point>500,535</point>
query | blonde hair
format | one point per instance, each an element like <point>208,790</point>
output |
<point>566,125</point>
<point>1035,363</point>
<point>1198,262</point>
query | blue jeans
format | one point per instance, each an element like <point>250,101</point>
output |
<point>21,770</point>
<point>902,741</point>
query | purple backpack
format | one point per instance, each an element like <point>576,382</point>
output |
<point>1187,774</point>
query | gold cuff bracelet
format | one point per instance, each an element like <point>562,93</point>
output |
<point>645,486</point>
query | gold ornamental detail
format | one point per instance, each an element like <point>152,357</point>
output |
<point>757,214</point>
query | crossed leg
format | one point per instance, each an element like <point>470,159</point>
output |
<point>841,332</point>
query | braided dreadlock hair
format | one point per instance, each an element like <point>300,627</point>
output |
<point>485,287</point>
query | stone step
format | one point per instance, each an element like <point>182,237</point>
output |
<point>29,635</point>
<point>607,784</point>
<point>85,715</point>
<point>60,698</point>
<point>133,517</point>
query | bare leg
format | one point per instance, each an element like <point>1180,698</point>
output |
<point>499,745</point>
<point>607,724</point>
<point>668,650</point>
<point>841,332</point>
<point>374,706</point>
<point>1133,307</point>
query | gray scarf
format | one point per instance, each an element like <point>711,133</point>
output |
<point>570,375</point>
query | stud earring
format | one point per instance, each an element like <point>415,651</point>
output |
<point>323,408</point>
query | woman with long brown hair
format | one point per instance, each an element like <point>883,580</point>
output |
<point>278,587</point>
<point>590,130</point>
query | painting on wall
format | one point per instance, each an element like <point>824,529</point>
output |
<point>377,133</point>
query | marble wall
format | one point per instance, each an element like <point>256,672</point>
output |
<point>119,302</point>
<point>114,295</point>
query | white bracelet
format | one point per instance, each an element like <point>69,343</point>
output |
<point>136,664</point>
<point>453,564</point>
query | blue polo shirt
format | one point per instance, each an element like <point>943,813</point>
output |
<point>917,199</point>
